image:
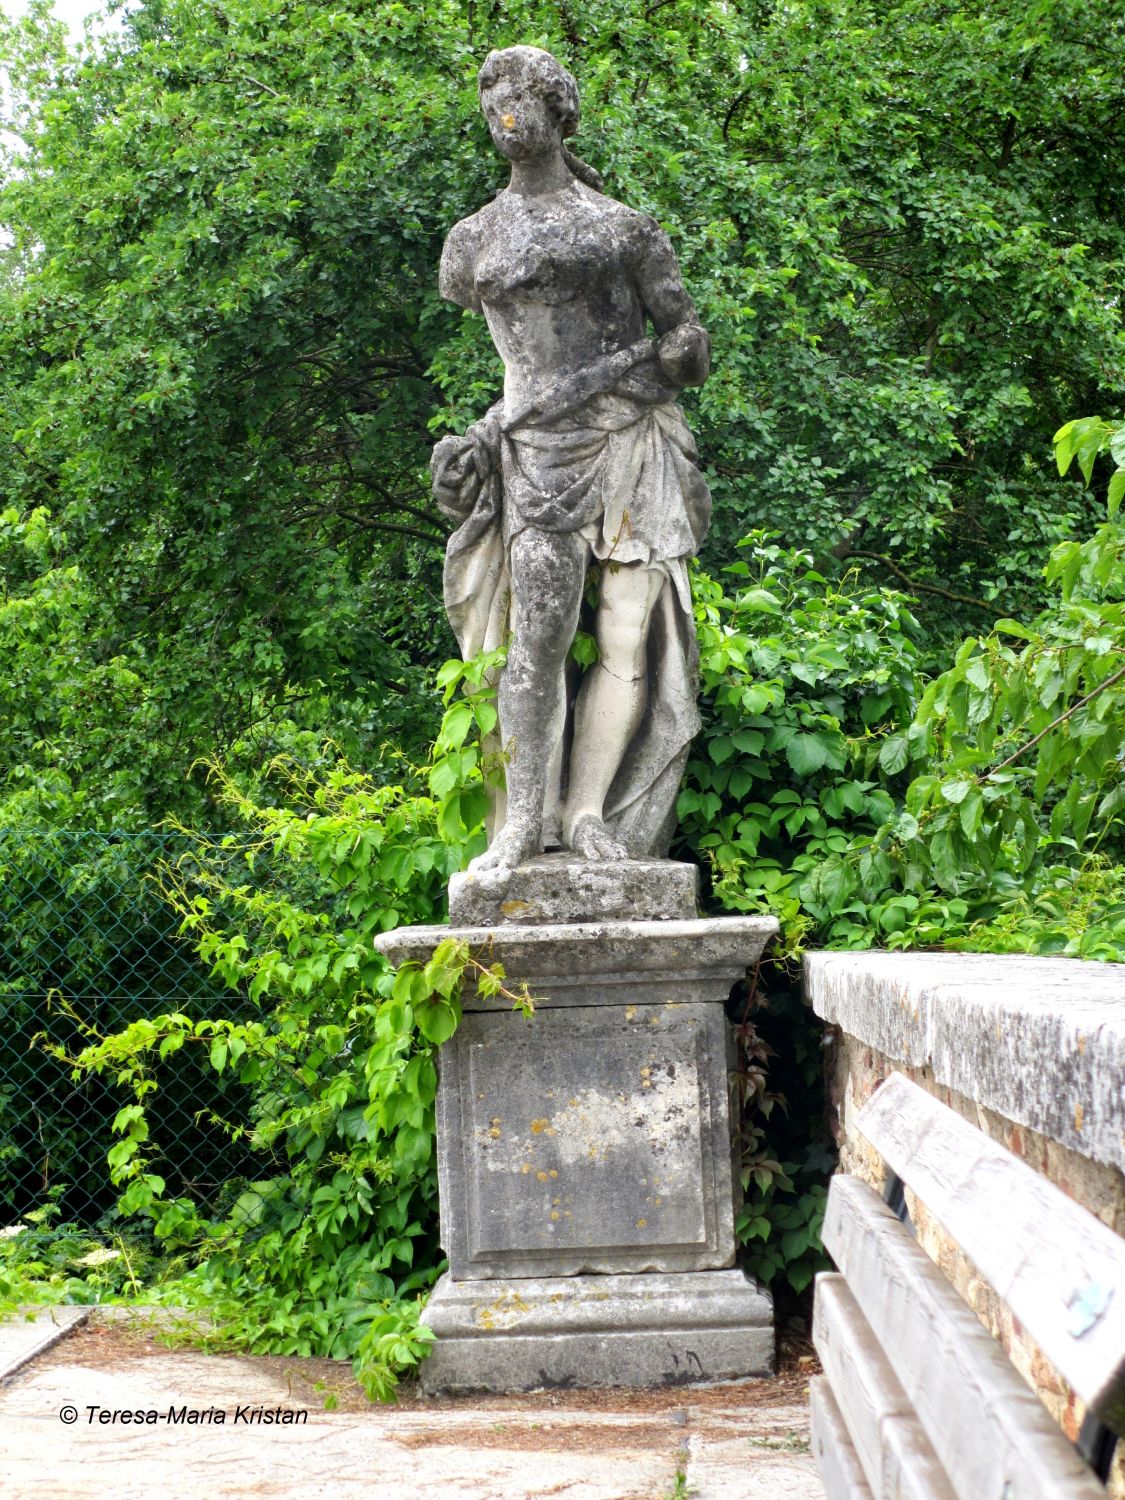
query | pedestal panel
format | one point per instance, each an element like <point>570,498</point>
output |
<point>586,1139</point>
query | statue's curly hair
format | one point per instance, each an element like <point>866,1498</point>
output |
<point>554,84</point>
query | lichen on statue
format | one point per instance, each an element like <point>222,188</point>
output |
<point>587,460</point>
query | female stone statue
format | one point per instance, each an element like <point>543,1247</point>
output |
<point>586,459</point>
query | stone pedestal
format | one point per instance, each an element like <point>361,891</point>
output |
<point>587,1187</point>
<point>689,1328</point>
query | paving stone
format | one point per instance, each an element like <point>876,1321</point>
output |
<point>624,1447</point>
<point>24,1336</point>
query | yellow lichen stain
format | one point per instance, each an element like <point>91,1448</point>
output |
<point>525,1169</point>
<point>513,908</point>
<point>553,1172</point>
<point>572,1104</point>
<point>494,1133</point>
<point>555,1214</point>
<point>1079,1116</point>
<point>654,1020</point>
<point>656,1202</point>
<point>485,1319</point>
<point>542,1177</point>
<point>539,1126</point>
<point>642,1223</point>
<point>567,1213</point>
<point>630,1012</point>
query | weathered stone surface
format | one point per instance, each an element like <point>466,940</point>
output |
<point>995,1207</point>
<point>728,1443</point>
<point>586,1139</point>
<point>586,459</point>
<point>1039,1040</point>
<point>591,963</point>
<point>987,1429</point>
<point>566,888</point>
<point>594,1136</point>
<point>26,1335</point>
<point>589,1331</point>
<point>858,1072</point>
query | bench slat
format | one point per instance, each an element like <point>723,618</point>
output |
<point>893,1451</point>
<point>986,1427</point>
<point>1060,1270</point>
<point>840,1471</point>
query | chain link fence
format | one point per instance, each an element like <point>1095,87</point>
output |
<point>87,940</point>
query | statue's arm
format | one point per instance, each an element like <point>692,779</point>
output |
<point>684,348</point>
<point>456,280</point>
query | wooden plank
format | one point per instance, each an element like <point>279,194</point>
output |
<point>989,1432</point>
<point>897,1460</point>
<point>1060,1270</point>
<point>840,1471</point>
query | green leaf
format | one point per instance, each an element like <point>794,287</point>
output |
<point>808,753</point>
<point>894,754</point>
<point>760,601</point>
<point>972,813</point>
<point>437,1019</point>
<point>956,790</point>
<point>1116,492</point>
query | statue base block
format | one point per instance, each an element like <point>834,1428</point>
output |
<point>566,888</point>
<point>586,1177</point>
<point>687,1328</point>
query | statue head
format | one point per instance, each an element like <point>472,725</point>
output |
<point>531,104</point>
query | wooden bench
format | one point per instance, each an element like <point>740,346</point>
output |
<point>918,1401</point>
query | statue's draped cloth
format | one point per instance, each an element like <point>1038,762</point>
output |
<point>621,470</point>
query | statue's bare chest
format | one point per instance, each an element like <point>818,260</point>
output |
<point>549,253</point>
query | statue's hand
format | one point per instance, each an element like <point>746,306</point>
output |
<point>685,354</point>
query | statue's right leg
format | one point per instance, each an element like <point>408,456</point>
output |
<point>548,570</point>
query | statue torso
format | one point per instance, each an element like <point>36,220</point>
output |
<point>555,277</point>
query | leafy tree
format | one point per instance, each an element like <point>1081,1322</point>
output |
<point>223,356</point>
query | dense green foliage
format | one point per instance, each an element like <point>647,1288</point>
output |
<point>222,362</point>
<point>981,808</point>
<point>222,351</point>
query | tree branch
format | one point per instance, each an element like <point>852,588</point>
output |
<point>1062,718</point>
<point>929,588</point>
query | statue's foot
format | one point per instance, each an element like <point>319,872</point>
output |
<point>593,840</point>
<point>511,847</point>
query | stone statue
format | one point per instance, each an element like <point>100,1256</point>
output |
<point>587,460</point>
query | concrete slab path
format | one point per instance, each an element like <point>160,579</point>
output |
<point>261,1428</point>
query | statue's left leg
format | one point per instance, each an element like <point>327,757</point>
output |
<point>610,704</point>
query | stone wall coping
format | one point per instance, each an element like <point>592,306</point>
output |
<point>1039,1040</point>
